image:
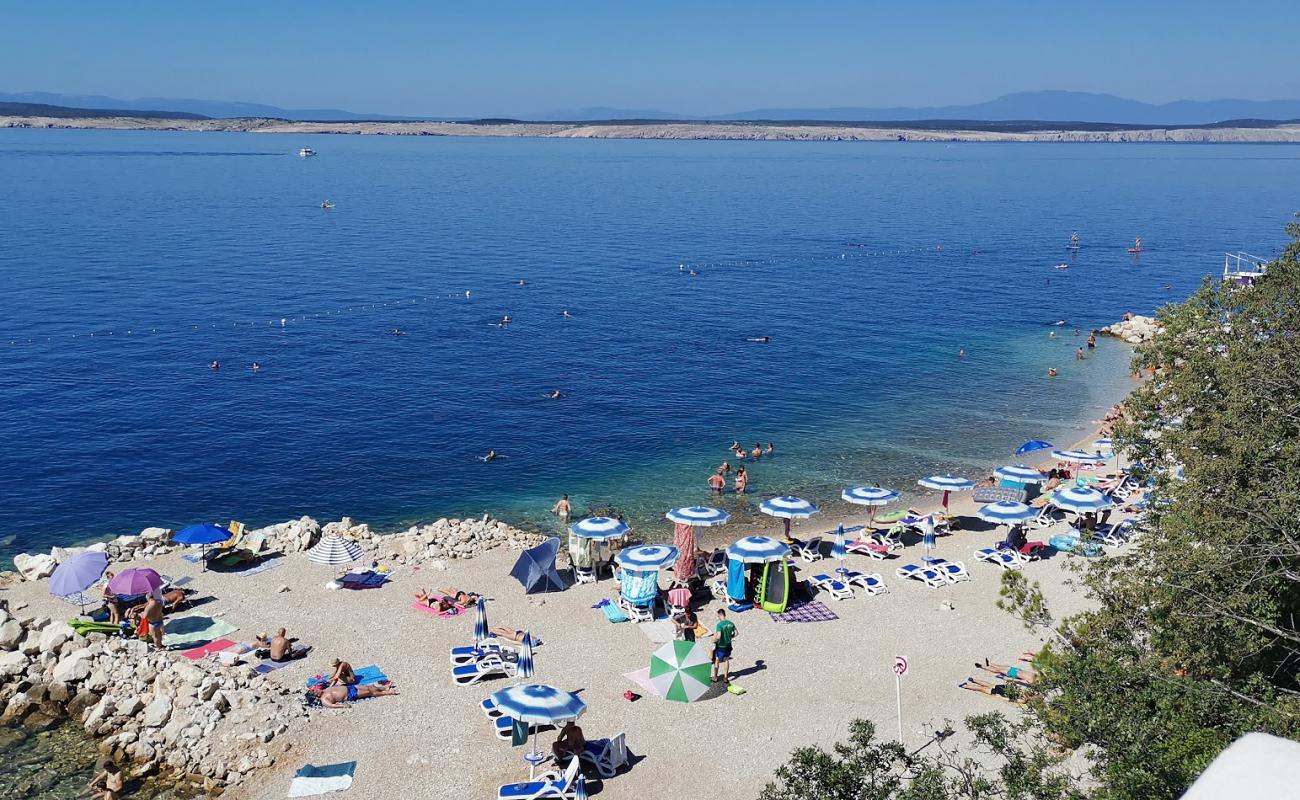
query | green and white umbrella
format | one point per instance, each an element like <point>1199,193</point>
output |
<point>681,671</point>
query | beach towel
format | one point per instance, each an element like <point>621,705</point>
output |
<point>261,566</point>
<point>451,612</point>
<point>205,650</point>
<point>363,580</point>
<point>312,780</point>
<point>812,611</point>
<point>270,666</point>
<point>365,675</point>
<point>613,613</point>
<point>641,677</point>
<point>195,629</point>
<point>193,558</point>
<point>739,608</point>
<point>659,631</point>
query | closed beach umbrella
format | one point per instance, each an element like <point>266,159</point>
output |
<point>698,516</point>
<point>135,580</point>
<point>1006,513</point>
<point>580,787</point>
<point>1033,446</point>
<point>757,550</point>
<point>1078,456</point>
<point>926,524</point>
<point>788,508</point>
<point>680,671</point>
<point>73,577</point>
<point>684,541</point>
<point>524,669</point>
<point>1080,500</point>
<point>333,551</point>
<point>480,620</point>
<point>871,496</point>
<point>202,535</point>
<point>1019,474</point>
<point>646,556</point>
<point>946,484</point>
<point>599,528</point>
<point>838,551</point>
<point>1104,445</point>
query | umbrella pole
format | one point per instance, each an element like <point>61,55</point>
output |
<point>787,527</point>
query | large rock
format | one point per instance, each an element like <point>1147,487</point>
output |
<point>34,567</point>
<point>73,667</point>
<point>157,712</point>
<point>11,633</point>
<point>54,635</point>
<point>12,663</point>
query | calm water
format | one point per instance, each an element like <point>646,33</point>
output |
<point>175,249</point>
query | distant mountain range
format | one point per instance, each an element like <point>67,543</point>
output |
<point>1056,106</point>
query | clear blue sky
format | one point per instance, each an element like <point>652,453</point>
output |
<point>484,57</point>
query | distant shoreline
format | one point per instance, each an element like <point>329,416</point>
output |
<point>1280,133</point>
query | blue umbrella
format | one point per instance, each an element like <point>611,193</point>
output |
<point>599,528</point>
<point>946,484</point>
<point>480,620</point>
<point>1019,474</point>
<point>837,548</point>
<point>927,536</point>
<point>757,550</point>
<point>539,704</point>
<point>73,577</point>
<point>1104,445</point>
<point>646,556</point>
<point>202,535</point>
<point>1078,456</point>
<point>524,669</point>
<point>698,516</point>
<point>788,508</point>
<point>1080,500</point>
<point>1006,513</point>
<point>869,495</point>
<point>580,787</point>
<point>1036,444</point>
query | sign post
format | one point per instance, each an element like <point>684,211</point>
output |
<point>900,669</point>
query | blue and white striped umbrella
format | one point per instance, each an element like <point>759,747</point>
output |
<point>837,547</point>
<point>1080,499</point>
<point>1019,474</point>
<point>538,703</point>
<point>947,483</point>
<point>599,528</point>
<point>788,508</point>
<point>646,556</point>
<point>1078,456</point>
<point>333,551</point>
<point>757,550</point>
<point>580,787</point>
<point>699,516</point>
<point>524,669</point>
<point>480,620</point>
<point>1104,445</point>
<point>869,495</point>
<point>1006,513</point>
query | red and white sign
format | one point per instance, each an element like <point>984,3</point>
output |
<point>900,665</point>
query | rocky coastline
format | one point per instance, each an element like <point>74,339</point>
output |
<point>1134,329</point>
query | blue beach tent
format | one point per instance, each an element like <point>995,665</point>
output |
<point>536,570</point>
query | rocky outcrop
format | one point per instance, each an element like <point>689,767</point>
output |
<point>1136,330</point>
<point>202,723</point>
<point>449,539</point>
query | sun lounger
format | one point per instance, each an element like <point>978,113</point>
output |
<point>809,551</point>
<point>489,708</point>
<point>504,727</point>
<point>471,653</point>
<point>952,571</point>
<point>237,535</point>
<point>643,611</point>
<point>837,589</point>
<point>1048,516</point>
<point>716,563</point>
<point>891,538</point>
<point>929,577</point>
<point>870,549</point>
<point>606,756</point>
<point>1115,535</point>
<point>583,575</point>
<point>1007,559</point>
<point>547,785</point>
<point>489,666</point>
<point>869,582</point>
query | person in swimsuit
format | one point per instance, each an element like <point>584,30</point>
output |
<point>685,624</point>
<point>557,394</point>
<point>1051,372</point>
<point>1092,340</point>
<point>340,696</point>
<point>716,482</point>
<point>1022,695</point>
<point>215,365</point>
<point>153,612</point>
<point>570,744</point>
<point>285,649</point>
<point>1022,675</point>
<point>757,452</point>
<point>771,448</point>
<point>108,783</point>
<point>725,468</point>
<point>514,635</point>
<point>742,480</point>
<point>111,602</point>
<point>562,508</point>
<point>343,674</point>
<point>256,366</point>
<point>491,455</point>
<point>1078,354</point>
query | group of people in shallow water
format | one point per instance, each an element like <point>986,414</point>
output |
<point>1079,354</point>
<point>718,480</point>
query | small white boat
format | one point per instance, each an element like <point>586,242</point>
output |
<point>306,152</point>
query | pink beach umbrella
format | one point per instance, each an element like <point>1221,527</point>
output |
<point>136,580</point>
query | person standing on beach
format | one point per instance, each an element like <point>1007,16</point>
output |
<point>562,508</point>
<point>716,482</point>
<point>742,480</point>
<point>153,613</point>
<point>723,636</point>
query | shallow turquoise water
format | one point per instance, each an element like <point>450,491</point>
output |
<point>868,265</point>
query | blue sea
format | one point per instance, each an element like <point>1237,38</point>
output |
<point>131,260</point>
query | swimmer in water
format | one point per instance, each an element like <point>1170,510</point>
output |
<point>522,283</point>
<point>1051,372</point>
<point>1078,354</point>
<point>505,320</point>
<point>1076,331</point>
<point>961,353</point>
<point>771,448</point>
<point>256,366</point>
<point>1074,240</point>
<point>398,332</point>
<point>491,455</point>
<point>758,339</point>
<point>467,293</point>
<point>215,365</point>
<point>693,273</point>
<point>1051,334</point>
<point>1059,322</point>
<point>566,314</point>
<point>556,395</point>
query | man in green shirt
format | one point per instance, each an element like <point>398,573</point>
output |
<point>723,636</point>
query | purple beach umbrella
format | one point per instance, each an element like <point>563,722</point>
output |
<point>77,574</point>
<point>135,580</point>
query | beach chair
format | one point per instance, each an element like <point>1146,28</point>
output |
<point>1115,535</point>
<point>868,548</point>
<point>583,575</point>
<point>504,727</point>
<point>638,592</point>
<point>547,785</point>
<point>929,577</point>
<point>237,535</point>
<point>638,611</point>
<point>809,551</point>
<point>952,571</point>
<point>679,600</point>
<point>870,583</point>
<point>606,756</point>
<point>718,588</point>
<point>837,589</point>
<point>471,653</point>
<point>489,666</point>
<point>1006,559</point>
<point>1048,516</point>
<point>715,564</point>
<point>489,708</point>
<point>891,538</point>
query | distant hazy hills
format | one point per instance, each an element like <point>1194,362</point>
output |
<point>1058,106</point>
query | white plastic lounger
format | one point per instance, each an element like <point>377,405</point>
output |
<point>868,548</point>
<point>836,589</point>
<point>1114,535</point>
<point>871,582</point>
<point>1047,517</point>
<point>504,727</point>
<point>638,612</point>
<point>606,756</point>
<point>471,653</point>
<point>547,785</point>
<point>489,707</point>
<point>716,563</point>
<point>809,551</point>
<point>490,666</point>
<point>1002,558</point>
<point>929,577</point>
<point>952,571</point>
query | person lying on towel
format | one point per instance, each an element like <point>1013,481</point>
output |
<point>447,599</point>
<point>340,696</point>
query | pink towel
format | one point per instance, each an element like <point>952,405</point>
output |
<point>451,612</point>
<point>679,598</point>
<point>195,653</point>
